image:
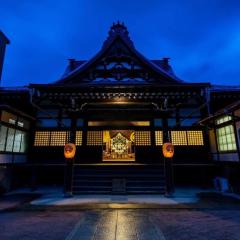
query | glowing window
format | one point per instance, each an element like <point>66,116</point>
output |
<point>68,137</point>
<point>24,142</point>
<point>179,137</point>
<point>94,138</point>
<point>143,138</point>
<point>42,138</point>
<point>10,139</point>
<point>58,138</point>
<point>79,138</point>
<point>17,141</point>
<point>159,138</point>
<point>8,117</point>
<point>3,136</point>
<point>195,137</point>
<point>223,119</point>
<point>226,138</point>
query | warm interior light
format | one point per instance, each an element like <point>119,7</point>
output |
<point>179,137</point>
<point>78,138</point>
<point>118,145</point>
<point>69,150</point>
<point>143,138</point>
<point>159,138</point>
<point>42,138</point>
<point>168,150</point>
<point>94,138</point>
<point>195,137</point>
<point>58,138</point>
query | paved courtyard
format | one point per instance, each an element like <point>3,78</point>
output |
<point>124,224</point>
<point>189,215</point>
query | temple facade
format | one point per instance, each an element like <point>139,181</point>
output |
<point>119,108</point>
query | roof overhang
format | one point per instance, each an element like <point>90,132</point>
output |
<point>224,111</point>
<point>16,111</point>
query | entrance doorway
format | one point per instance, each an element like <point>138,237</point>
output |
<point>118,145</point>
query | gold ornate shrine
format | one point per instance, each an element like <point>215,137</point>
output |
<point>118,145</point>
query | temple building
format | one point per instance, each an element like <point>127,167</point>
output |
<point>119,108</point>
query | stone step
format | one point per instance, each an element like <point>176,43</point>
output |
<point>139,179</point>
<point>129,181</point>
<point>100,176</point>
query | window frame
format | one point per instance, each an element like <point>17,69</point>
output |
<point>224,125</point>
<point>21,130</point>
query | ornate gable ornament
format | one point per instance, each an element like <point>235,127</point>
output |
<point>118,29</point>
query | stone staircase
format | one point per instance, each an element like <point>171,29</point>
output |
<point>118,179</point>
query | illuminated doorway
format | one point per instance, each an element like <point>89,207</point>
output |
<point>118,145</point>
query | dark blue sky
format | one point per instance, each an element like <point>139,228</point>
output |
<point>202,37</point>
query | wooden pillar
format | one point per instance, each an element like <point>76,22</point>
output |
<point>167,161</point>
<point>68,181</point>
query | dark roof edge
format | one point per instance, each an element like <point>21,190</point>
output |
<point>225,110</point>
<point>184,84</point>
<point>16,89</point>
<point>7,41</point>
<point>219,88</point>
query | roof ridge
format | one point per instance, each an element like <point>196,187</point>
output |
<point>119,31</point>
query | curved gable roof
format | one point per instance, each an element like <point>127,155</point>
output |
<point>118,33</point>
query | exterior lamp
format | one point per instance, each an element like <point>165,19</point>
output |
<point>69,150</point>
<point>168,150</point>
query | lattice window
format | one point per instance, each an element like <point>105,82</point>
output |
<point>159,138</point>
<point>223,119</point>
<point>226,138</point>
<point>143,138</point>
<point>58,138</point>
<point>195,137</point>
<point>42,138</point>
<point>68,137</point>
<point>179,137</point>
<point>79,138</point>
<point>94,138</point>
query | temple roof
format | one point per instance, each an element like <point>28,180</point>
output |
<point>118,48</point>
<point>4,38</point>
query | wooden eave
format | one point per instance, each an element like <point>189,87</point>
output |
<point>230,108</point>
<point>16,111</point>
<point>119,86</point>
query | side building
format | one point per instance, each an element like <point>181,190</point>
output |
<point>224,134</point>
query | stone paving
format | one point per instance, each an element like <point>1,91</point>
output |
<point>116,224</point>
<point>212,217</point>
<point>122,224</point>
<point>13,201</point>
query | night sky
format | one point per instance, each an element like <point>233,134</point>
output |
<point>202,37</point>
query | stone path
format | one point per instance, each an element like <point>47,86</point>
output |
<point>122,224</point>
<point>116,225</point>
